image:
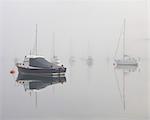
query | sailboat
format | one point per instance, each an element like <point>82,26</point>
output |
<point>126,59</point>
<point>38,65</point>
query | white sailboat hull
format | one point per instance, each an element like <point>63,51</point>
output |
<point>122,62</point>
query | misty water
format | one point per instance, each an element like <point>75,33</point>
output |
<point>82,29</point>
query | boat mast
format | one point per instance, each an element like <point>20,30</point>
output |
<point>70,46</point>
<point>53,44</point>
<point>124,23</point>
<point>88,48</point>
<point>36,40</point>
<point>124,95</point>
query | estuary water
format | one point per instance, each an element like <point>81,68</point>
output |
<point>82,29</point>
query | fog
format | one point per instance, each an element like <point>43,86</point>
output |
<point>82,28</point>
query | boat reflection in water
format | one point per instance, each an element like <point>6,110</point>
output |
<point>32,82</point>
<point>125,69</point>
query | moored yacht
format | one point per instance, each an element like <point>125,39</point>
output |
<point>126,60</point>
<point>38,65</point>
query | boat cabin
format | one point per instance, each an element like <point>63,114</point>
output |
<point>37,61</point>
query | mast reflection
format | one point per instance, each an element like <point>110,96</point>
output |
<point>122,89</point>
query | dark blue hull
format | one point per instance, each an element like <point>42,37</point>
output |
<point>44,71</point>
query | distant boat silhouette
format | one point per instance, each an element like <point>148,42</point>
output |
<point>89,60</point>
<point>72,59</point>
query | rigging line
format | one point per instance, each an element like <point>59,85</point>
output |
<point>36,40</point>
<point>124,25</point>
<point>88,48</point>
<point>53,44</point>
<point>70,46</point>
<point>119,89</point>
<point>119,39</point>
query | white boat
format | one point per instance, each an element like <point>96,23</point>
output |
<point>126,60</point>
